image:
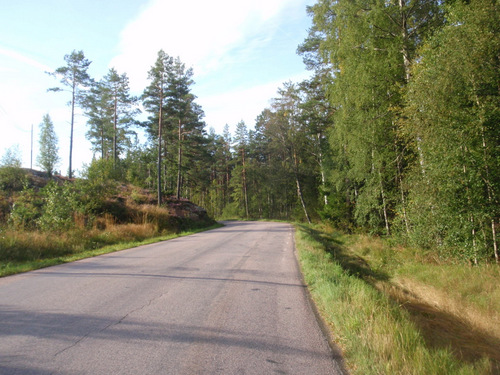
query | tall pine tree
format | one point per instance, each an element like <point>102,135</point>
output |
<point>75,77</point>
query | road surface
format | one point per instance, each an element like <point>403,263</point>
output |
<point>226,301</point>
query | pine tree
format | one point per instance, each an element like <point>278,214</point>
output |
<point>239,178</point>
<point>74,76</point>
<point>110,109</point>
<point>154,99</point>
<point>184,116</point>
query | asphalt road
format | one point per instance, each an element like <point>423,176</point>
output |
<point>226,301</point>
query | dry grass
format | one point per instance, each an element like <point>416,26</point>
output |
<point>395,312</point>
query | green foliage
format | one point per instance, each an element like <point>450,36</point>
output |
<point>48,157</point>
<point>12,157</point>
<point>396,133</point>
<point>12,178</point>
<point>60,204</point>
<point>381,331</point>
<point>99,182</point>
<point>453,115</point>
<point>26,210</point>
<point>75,77</point>
<point>110,109</point>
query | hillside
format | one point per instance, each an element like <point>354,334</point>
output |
<point>44,217</point>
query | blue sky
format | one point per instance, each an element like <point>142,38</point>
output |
<point>240,51</point>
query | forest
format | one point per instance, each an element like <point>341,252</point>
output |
<point>395,134</point>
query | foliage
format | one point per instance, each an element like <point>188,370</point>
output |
<point>26,210</point>
<point>12,176</point>
<point>380,327</point>
<point>110,110</point>
<point>395,133</point>
<point>75,77</point>
<point>60,204</point>
<point>48,157</point>
<point>453,114</point>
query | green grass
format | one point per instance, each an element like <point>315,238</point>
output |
<point>101,243</point>
<point>379,324</point>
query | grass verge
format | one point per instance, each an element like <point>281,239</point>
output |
<point>381,304</point>
<point>100,243</point>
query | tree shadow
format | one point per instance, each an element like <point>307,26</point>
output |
<point>439,329</point>
<point>352,264</point>
<point>467,343</point>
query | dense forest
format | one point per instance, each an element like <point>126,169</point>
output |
<point>395,133</point>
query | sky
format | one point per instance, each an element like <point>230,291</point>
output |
<point>241,52</point>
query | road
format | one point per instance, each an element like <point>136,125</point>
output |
<point>225,301</point>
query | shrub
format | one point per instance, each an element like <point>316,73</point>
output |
<point>12,178</point>
<point>26,210</point>
<point>60,204</point>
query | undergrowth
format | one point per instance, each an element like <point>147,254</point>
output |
<point>381,304</point>
<point>22,251</point>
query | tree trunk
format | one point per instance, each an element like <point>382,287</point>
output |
<point>322,171</point>
<point>489,188</point>
<point>404,48</point>
<point>400,183</point>
<point>102,143</point>
<point>73,95</point>
<point>179,163</point>
<point>299,189</point>
<point>384,205</point>
<point>115,129</point>
<point>245,183</point>
<point>160,125</point>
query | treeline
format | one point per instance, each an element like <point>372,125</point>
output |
<point>395,133</point>
<point>414,118</point>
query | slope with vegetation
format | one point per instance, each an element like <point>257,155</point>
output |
<point>46,220</point>
<point>398,310</point>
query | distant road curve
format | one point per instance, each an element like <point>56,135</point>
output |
<point>226,301</point>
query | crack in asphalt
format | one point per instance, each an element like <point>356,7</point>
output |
<point>115,323</point>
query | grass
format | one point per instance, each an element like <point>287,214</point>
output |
<point>33,250</point>
<point>395,310</point>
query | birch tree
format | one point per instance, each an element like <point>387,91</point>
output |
<point>453,108</point>
<point>48,157</point>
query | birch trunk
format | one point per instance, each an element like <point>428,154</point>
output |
<point>299,189</point>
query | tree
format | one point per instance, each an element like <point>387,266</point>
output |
<point>362,51</point>
<point>12,176</point>
<point>99,114</point>
<point>183,114</point>
<point>48,158</point>
<point>12,157</point>
<point>110,109</point>
<point>291,132</point>
<point>452,117</point>
<point>154,100</point>
<point>74,76</point>
<point>240,172</point>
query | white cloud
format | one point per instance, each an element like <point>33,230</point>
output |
<point>24,59</point>
<point>241,104</point>
<point>203,33</point>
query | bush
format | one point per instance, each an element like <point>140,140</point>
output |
<point>12,178</point>
<point>61,202</point>
<point>26,210</point>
